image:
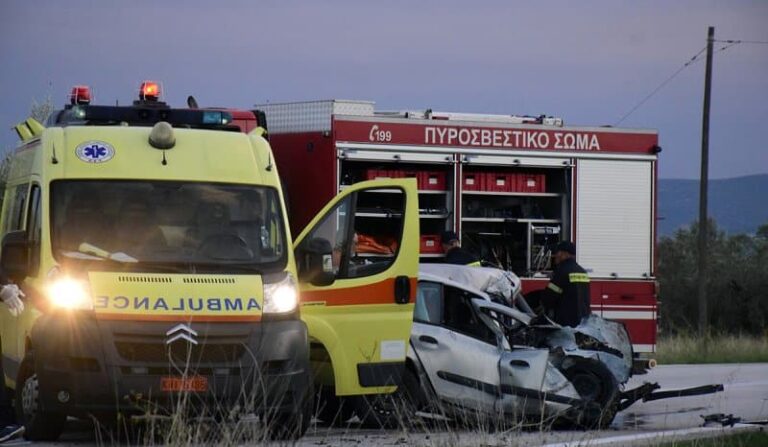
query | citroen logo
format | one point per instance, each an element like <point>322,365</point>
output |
<point>181,332</point>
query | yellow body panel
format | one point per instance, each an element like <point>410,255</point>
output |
<point>357,334</point>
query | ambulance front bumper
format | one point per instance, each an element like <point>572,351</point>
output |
<point>90,366</point>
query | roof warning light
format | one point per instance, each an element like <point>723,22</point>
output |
<point>81,94</point>
<point>149,91</point>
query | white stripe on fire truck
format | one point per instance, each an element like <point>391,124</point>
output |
<point>643,348</point>
<point>628,315</point>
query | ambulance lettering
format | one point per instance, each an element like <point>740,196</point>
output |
<point>184,304</point>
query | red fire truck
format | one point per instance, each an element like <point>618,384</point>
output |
<point>510,186</point>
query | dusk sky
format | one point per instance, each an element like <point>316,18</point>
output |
<point>588,62</point>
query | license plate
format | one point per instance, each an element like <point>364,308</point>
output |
<point>194,383</point>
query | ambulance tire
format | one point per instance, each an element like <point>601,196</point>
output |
<point>39,425</point>
<point>598,386</point>
<point>293,424</point>
<point>394,410</point>
<point>331,409</point>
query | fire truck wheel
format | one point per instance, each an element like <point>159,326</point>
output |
<point>39,425</point>
<point>598,387</point>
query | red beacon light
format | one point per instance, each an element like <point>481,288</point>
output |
<point>80,95</point>
<point>149,91</point>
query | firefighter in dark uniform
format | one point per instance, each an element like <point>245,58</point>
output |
<point>567,294</point>
<point>454,254</point>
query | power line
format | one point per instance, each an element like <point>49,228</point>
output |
<point>729,43</point>
<point>760,42</point>
<point>666,81</point>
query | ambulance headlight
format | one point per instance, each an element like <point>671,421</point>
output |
<point>68,293</point>
<point>281,297</point>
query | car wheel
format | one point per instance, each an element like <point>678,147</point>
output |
<point>39,424</point>
<point>598,387</point>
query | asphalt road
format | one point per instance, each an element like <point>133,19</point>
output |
<point>745,395</point>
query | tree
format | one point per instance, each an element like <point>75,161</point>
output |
<point>41,110</point>
<point>738,278</point>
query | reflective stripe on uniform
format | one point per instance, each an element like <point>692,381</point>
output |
<point>578,277</point>
<point>554,288</point>
<point>474,264</point>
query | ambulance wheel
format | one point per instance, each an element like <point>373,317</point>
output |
<point>331,409</point>
<point>293,424</point>
<point>392,410</point>
<point>598,387</point>
<point>39,425</point>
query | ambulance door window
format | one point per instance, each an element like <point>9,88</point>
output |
<point>334,229</point>
<point>15,217</point>
<point>378,230</point>
<point>34,229</point>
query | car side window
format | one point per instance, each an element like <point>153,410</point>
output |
<point>460,316</point>
<point>429,303</point>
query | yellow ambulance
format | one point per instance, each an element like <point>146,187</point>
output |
<point>152,246</point>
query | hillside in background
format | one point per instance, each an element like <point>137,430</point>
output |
<point>738,205</point>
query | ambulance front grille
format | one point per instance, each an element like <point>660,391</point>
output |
<point>145,279</point>
<point>179,352</point>
<point>208,280</point>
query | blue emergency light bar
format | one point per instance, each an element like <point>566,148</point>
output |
<point>140,115</point>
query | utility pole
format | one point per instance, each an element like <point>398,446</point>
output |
<point>703,221</point>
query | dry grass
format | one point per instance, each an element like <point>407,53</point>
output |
<point>718,349</point>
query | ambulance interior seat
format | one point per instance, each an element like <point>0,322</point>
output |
<point>137,229</point>
<point>213,235</point>
<point>249,225</point>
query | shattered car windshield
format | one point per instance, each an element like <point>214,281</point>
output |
<point>221,227</point>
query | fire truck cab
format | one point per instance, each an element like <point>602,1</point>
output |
<point>153,247</point>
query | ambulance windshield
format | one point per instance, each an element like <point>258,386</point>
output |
<point>177,226</point>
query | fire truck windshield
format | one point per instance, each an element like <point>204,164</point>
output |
<point>174,226</point>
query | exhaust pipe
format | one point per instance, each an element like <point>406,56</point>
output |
<point>642,366</point>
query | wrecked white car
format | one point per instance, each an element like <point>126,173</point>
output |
<point>476,347</point>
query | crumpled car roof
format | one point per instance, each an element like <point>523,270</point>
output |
<point>493,281</point>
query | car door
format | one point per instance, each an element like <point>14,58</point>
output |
<point>358,303</point>
<point>457,350</point>
<point>528,382</point>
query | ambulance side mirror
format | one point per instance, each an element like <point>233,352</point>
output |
<point>315,259</point>
<point>14,258</point>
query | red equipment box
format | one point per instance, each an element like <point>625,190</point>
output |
<point>531,183</point>
<point>430,243</point>
<point>498,182</point>
<point>432,181</point>
<point>473,181</point>
<point>373,174</point>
